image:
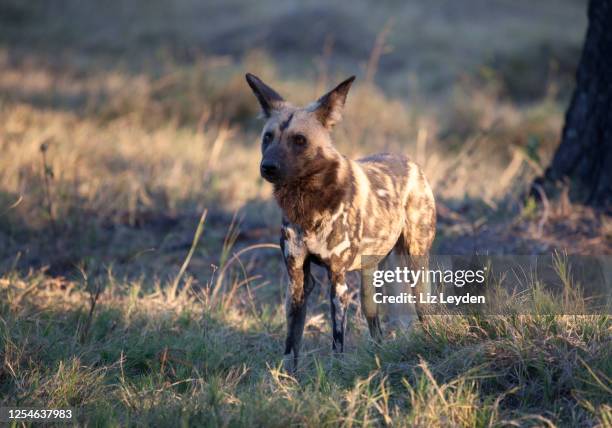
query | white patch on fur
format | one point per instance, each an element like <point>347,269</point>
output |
<point>382,193</point>
<point>341,289</point>
<point>339,249</point>
<point>363,186</point>
<point>412,181</point>
<point>293,243</point>
<point>317,242</point>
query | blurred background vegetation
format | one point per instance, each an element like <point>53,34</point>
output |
<point>146,118</point>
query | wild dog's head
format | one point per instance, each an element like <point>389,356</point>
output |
<point>296,141</point>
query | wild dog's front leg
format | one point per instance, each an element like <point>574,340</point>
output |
<point>300,286</point>
<point>339,297</point>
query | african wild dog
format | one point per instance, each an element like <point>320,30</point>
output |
<point>334,209</point>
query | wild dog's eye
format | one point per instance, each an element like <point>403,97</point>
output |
<point>299,140</point>
<point>267,137</point>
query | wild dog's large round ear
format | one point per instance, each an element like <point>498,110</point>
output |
<point>328,108</point>
<point>268,98</point>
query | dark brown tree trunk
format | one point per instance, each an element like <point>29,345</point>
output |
<point>583,159</point>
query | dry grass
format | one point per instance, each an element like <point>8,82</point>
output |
<point>153,358</point>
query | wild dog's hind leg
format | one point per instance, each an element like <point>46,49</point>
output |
<point>339,298</point>
<point>300,286</point>
<point>419,232</point>
<point>404,316</point>
<point>368,306</point>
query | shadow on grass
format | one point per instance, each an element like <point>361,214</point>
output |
<point>146,243</point>
<point>147,360</point>
<point>145,346</point>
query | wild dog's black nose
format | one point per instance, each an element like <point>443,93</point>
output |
<point>269,170</point>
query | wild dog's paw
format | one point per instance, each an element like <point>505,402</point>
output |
<point>289,364</point>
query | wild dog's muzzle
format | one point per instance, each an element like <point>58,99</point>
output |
<point>270,171</point>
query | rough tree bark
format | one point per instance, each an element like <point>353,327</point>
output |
<point>583,159</point>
